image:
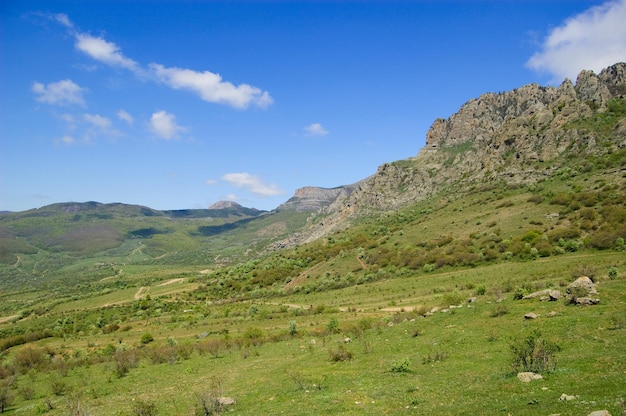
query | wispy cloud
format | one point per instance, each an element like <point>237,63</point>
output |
<point>592,40</point>
<point>64,92</point>
<point>252,183</point>
<point>208,85</point>
<point>125,116</point>
<point>66,140</point>
<point>164,125</point>
<point>98,121</point>
<point>315,129</point>
<point>106,52</point>
<point>62,19</point>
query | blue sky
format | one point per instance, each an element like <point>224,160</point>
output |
<point>180,104</point>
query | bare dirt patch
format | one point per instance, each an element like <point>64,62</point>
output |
<point>172,281</point>
<point>143,290</point>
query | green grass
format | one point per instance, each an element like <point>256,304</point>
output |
<point>459,359</point>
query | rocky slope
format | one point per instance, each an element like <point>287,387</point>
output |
<point>518,136</point>
<point>312,198</point>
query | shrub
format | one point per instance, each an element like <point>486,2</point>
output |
<point>141,408</point>
<point>146,338</point>
<point>401,366</point>
<point>533,353</point>
<point>339,354</point>
<point>332,326</point>
<point>253,336</point>
<point>124,361</point>
<point>293,328</point>
<point>612,272</point>
<point>499,310</point>
<point>6,396</point>
<point>435,357</point>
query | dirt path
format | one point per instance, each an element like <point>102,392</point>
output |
<point>5,319</point>
<point>172,281</point>
<point>138,249</point>
<point>143,290</point>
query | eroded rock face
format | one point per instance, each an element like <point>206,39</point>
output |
<point>495,137</point>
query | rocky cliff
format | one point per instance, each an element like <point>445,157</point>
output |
<point>518,136</point>
<point>311,198</point>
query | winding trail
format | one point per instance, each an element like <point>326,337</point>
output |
<point>143,290</point>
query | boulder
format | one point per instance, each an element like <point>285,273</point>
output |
<point>555,295</point>
<point>600,413</point>
<point>583,283</point>
<point>587,301</point>
<point>531,315</point>
<point>527,376</point>
<point>226,401</point>
<point>566,397</point>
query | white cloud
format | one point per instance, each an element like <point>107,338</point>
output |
<point>210,87</point>
<point>592,40</point>
<point>315,129</point>
<point>63,19</point>
<point>252,183</point>
<point>163,124</point>
<point>63,93</point>
<point>65,140</point>
<point>98,121</point>
<point>106,52</point>
<point>125,116</point>
<point>210,182</point>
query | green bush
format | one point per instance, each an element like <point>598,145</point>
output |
<point>146,338</point>
<point>339,354</point>
<point>533,353</point>
<point>401,366</point>
<point>141,408</point>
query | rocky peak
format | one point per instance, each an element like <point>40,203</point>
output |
<point>312,198</point>
<point>225,205</point>
<point>495,137</point>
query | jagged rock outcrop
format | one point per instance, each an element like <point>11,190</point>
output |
<point>497,137</point>
<point>312,198</point>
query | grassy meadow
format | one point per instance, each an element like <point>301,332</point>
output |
<point>375,319</point>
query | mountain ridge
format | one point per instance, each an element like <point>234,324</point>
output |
<point>520,136</point>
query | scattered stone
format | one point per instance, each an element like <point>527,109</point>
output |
<point>582,282</point>
<point>473,299</point>
<point>546,294</point>
<point>531,315</point>
<point>552,313</point>
<point>527,376</point>
<point>555,295</point>
<point>347,340</point>
<point>566,397</point>
<point>587,301</point>
<point>226,401</point>
<point>537,294</point>
<point>600,413</point>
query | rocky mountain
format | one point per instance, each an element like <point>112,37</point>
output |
<point>311,198</point>
<point>519,137</point>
